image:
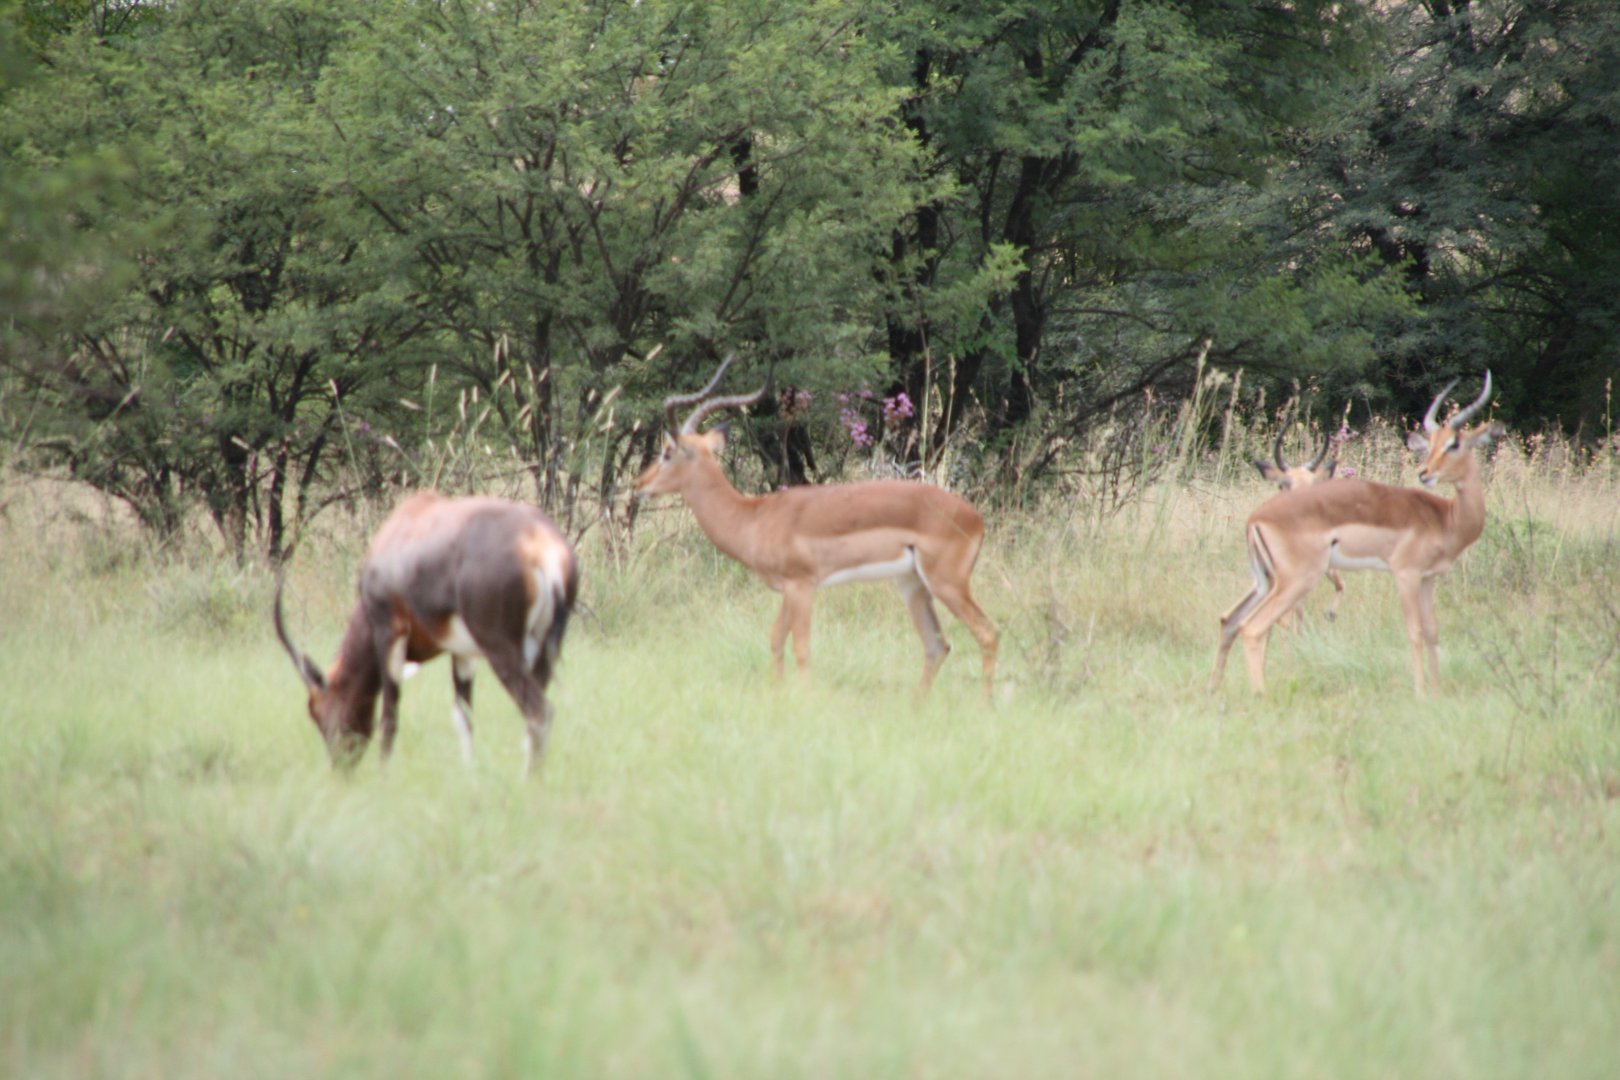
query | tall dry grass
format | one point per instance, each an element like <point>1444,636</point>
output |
<point>1108,872</point>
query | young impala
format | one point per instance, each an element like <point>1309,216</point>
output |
<point>473,577</point>
<point>1294,537</point>
<point>1293,477</point>
<point>800,539</point>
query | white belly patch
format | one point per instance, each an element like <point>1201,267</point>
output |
<point>1344,562</point>
<point>905,565</point>
<point>458,640</point>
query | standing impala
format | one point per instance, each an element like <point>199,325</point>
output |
<point>1293,477</point>
<point>797,540</point>
<point>473,577</point>
<point>1294,537</point>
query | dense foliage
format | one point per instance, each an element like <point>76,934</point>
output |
<point>254,254</point>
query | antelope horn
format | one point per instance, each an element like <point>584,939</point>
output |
<point>1276,451</point>
<point>1327,442</point>
<point>306,667</point>
<point>1479,403</point>
<point>716,404</point>
<point>680,401</point>
<point>1429,423</point>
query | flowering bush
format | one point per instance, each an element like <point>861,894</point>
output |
<point>849,415</point>
<point>887,435</point>
<point>796,403</point>
<point>896,411</point>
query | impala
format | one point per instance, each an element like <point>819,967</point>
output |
<point>800,539</point>
<point>1294,537</point>
<point>1292,477</point>
<point>473,577</point>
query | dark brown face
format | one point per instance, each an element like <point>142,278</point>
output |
<point>345,727</point>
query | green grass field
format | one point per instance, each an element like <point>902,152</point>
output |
<point>1110,872</point>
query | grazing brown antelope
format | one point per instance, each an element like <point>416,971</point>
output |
<point>1294,537</point>
<point>1292,477</point>
<point>799,539</point>
<point>473,577</point>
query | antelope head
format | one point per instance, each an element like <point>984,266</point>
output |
<point>686,451</point>
<point>1287,476</point>
<point>343,714</point>
<point>1447,448</point>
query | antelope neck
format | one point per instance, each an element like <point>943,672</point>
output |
<point>716,504</point>
<point>356,674</point>
<point>1467,510</point>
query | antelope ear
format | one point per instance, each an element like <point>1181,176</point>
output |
<point>1328,469</point>
<point>1485,433</point>
<point>1268,471</point>
<point>1417,442</point>
<point>717,436</point>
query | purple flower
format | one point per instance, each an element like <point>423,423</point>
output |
<point>855,426</point>
<point>1348,471</point>
<point>896,409</point>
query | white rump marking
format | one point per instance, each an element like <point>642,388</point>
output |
<point>904,566</point>
<point>547,587</point>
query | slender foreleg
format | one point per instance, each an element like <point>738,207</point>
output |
<point>461,673</point>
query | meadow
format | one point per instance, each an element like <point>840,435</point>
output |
<point>1109,871</point>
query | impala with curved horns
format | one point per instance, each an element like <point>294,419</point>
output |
<point>1286,476</point>
<point>1293,477</point>
<point>1294,537</point>
<point>474,577</point>
<point>799,539</point>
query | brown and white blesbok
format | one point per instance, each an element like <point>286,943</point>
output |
<point>797,540</point>
<point>474,577</point>
<point>1293,477</point>
<point>1294,537</point>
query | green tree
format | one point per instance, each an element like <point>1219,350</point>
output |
<point>212,359</point>
<point>570,186</point>
<point>1124,169</point>
<point>1483,164</point>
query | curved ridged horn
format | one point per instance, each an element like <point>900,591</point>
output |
<point>1321,455</point>
<point>715,405</point>
<point>1429,423</point>
<point>1276,451</point>
<point>1479,403</point>
<point>678,401</point>
<point>306,667</point>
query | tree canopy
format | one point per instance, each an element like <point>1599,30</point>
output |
<point>244,245</point>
